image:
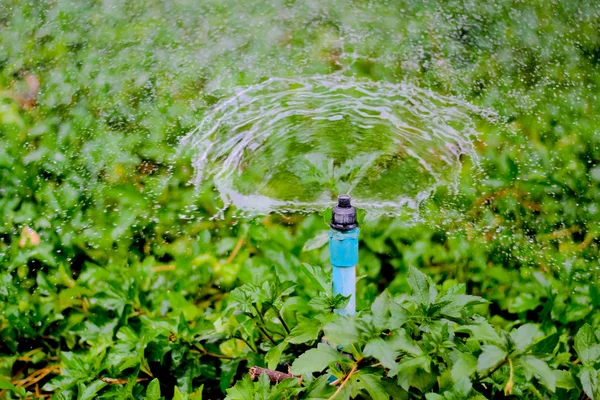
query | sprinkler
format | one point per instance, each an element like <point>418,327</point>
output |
<point>343,251</point>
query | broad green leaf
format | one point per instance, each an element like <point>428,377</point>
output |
<point>541,370</point>
<point>5,384</point>
<point>523,302</point>
<point>457,303</point>
<point>415,372</point>
<point>398,316</point>
<point>178,395</point>
<point>586,345</point>
<point>481,331</point>
<point>307,330</point>
<point>320,388</point>
<point>243,390</point>
<point>490,357</point>
<point>197,394</point>
<point>371,383</point>
<point>274,355</point>
<point>327,303</point>
<point>564,379</point>
<point>380,309</point>
<point>153,390</point>
<point>462,387</point>
<point>316,360</point>
<point>589,381</point>
<point>411,365</point>
<point>402,342</point>
<point>228,371</point>
<point>525,335</point>
<point>421,290</point>
<point>383,351</point>
<point>342,331</point>
<point>395,391</point>
<point>546,345</point>
<point>89,392</point>
<point>318,277</point>
<point>317,241</point>
<point>464,365</point>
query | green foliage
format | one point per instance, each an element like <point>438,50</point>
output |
<point>120,280</point>
<point>410,346</point>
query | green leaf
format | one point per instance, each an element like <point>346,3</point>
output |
<point>490,357</point>
<point>228,371</point>
<point>589,381</point>
<point>463,387</point>
<point>540,369</point>
<point>411,365</point>
<point>414,372</point>
<point>456,304</point>
<point>402,342</point>
<point>380,309</point>
<point>197,394</point>
<point>243,390</point>
<point>525,335</point>
<point>5,384</point>
<point>586,345</point>
<point>371,383</point>
<point>316,360</point>
<point>320,388</point>
<point>88,392</point>
<point>564,379</point>
<point>317,241</point>
<point>318,277</point>
<point>328,303</point>
<point>464,365</point>
<point>595,291</point>
<point>421,289</point>
<point>275,290</point>
<point>395,391</point>
<point>342,331</point>
<point>307,330</point>
<point>546,345</point>
<point>153,390</point>
<point>481,331</point>
<point>523,302</point>
<point>178,395</point>
<point>274,355</point>
<point>383,351</point>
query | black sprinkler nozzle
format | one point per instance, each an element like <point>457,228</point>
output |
<point>344,215</point>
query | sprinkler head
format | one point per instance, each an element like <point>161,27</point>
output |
<point>344,215</point>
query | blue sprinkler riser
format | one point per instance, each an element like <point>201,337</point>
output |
<point>343,250</point>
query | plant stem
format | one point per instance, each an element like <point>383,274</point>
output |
<point>264,327</point>
<point>247,343</point>
<point>352,371</point>
<point>259,315</point>
<point>263,330</point>
<point>496,368</point>
<point>207,353</point>
<point>238,246</point>
<point>281,319</point>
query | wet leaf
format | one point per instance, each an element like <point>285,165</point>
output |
<point>317,360</point>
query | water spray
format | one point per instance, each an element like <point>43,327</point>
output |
<point>343,251</point>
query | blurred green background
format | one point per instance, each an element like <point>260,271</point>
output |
<point>100,228</point>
